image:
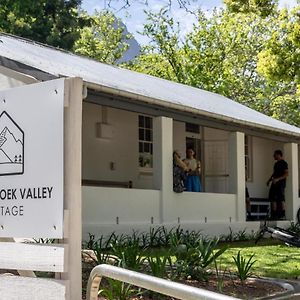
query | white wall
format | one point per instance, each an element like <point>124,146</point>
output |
<point>132,206</point>
<point>263,162</point>
<point>212,134</point>
<point>203,207</point>
<point>121,149</point>
<point>179,135</point>
<point>111,209</point>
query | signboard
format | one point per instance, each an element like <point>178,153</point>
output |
<point>31,160</point>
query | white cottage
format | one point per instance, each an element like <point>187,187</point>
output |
<point>132,122</point>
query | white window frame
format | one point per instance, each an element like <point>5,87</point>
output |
<point>145,140</point>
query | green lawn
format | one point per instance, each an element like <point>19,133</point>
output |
<point>272,260</point>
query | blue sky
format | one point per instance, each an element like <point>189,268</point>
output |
<point>134,17</point>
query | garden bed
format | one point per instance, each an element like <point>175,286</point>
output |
<point>252,288</point>
<point>231,265</point>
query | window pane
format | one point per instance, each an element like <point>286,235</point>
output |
<point>145,141</point>
<point>141,135</point>
<point>148,135</point>
<point>147,147</point>
<point>141,121</point>
<point>147,122</point>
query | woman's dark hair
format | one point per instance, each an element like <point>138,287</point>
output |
<point>191,148</point>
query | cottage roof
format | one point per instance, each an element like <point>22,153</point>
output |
<point>137,85</point>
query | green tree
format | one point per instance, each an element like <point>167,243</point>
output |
<point>104,39</point>
<point>262,7</point>
<point>280,59</point>
<point>220,55</point>
<point>54,22</point>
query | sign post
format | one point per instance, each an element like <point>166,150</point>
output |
<point>40,170</point>
<point>31,161</point>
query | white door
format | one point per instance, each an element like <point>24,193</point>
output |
<point>216,166</point>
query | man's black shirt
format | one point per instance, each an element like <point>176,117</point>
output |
<point>279,170</point>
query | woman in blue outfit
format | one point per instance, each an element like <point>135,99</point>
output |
<point>192,182</point>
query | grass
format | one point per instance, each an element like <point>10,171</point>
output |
<point>272,260</point>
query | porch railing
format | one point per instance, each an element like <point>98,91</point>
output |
<point>163,286</point>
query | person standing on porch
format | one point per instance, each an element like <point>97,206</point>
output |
<point>192,182</point>
<point>277,189</point>
<point>179,173</point>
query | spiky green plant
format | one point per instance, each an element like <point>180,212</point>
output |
<point>244,266</point>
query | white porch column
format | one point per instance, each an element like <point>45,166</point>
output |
<point>163,163</point>
<point>291,192</point>
<point>237,173</point>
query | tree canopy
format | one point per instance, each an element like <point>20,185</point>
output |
<point>261,7</point>
<point>220,54</point>
<point>104,39</point>
<point>54,22</point>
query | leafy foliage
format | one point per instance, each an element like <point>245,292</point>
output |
<point>118,290</point>
<point>103,39</point>
<point>221,55</point>
<point>262,7</point>
<point>159,265</point>
<point>100,248</point>
<point>193,261</point>
<point>129,253</point>
<point>279,59</point>
<point>54,22</point>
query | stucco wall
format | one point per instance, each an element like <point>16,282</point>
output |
<point>121,149</point>
<point>123,206</point>
<point>108,209</point>
<point>179,137</point>
<point>263,162</point>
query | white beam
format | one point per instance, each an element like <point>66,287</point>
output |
<point>72,182</point>
<point>237,173</point>
<point>292,185</point>
<point>163,163</point>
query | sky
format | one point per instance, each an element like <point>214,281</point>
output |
<point>134,17</point>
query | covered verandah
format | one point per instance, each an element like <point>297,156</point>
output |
<point>149,199</point>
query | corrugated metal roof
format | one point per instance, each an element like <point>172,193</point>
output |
<point>164,92</point>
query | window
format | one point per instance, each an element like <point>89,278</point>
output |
<point>145,142</point>
<point>248,158</point>
<point>190,127</point>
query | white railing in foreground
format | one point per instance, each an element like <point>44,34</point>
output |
<point>163,286</point>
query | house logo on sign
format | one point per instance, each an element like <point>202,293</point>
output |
<point>11,146</point>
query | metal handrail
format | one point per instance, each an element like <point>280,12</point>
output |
<point>163,286</point>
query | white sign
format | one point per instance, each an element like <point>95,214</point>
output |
<point>31,160</point>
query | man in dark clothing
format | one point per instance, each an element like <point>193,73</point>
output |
<point>278,179</point>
